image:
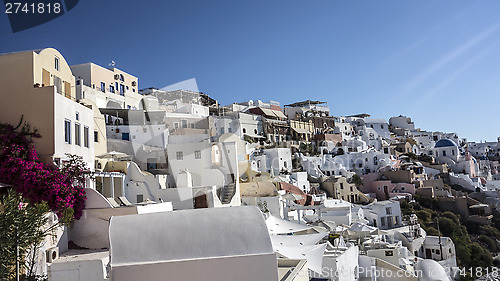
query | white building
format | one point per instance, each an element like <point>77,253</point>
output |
<point>402,122</point>
<point>240,124</point>
<point>339,211</point>
<point>209,244</point>
<point>196,162</point>
<point>365,162</point>
<point>446,151</point>
<point>440,249</point>
<point>379,125</point>
<point>384,214</point>
<point>344,128</point>
<point>107,88</point>
<point>300,180</point>
<point>39,85</point>
<point>274,160</point>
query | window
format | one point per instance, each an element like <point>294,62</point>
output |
<point>77,134</point>
<point>244,131</point>
<point>389,253</point>
<point>140,198</point>
<point>122,78</point>
<point>176,125</point>
<point>444,153</point>
<point>229,130</point>
<point>197,154</point>
<point>56,63</point>
<point>96,136</point>
<point>67,131</point>
<point>382,221</point>
<point>122,89</point>
<point>111,88</point>
<point>180,155</point>
<point>86,136</point>
<point>341,185</point>
<point>437,252</point>
<point>77,116</point>
<point>103,87</point>
<point>184,123</point>
<point>388,210</point>
<point>255,131</point>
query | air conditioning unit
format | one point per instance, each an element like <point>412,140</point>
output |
<point>52,254</point>
<point>117,76</point>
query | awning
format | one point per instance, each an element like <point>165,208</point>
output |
<point>313,254</point>
<point>296,240</point>
<point>277,225</point>
<point>273,113</point>
<point>302,131</point>
<point>279,114</point>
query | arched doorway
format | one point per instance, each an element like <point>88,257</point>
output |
<point>200,200</point>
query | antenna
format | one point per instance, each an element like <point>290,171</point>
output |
<point>440,245</point>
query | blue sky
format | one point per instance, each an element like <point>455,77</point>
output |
<point>436,61</point>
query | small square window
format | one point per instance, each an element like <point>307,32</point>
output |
<point>197,154</point>
<point>180,155</point>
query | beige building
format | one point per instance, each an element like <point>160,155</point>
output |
<point>107,87</point>
<point>339,188</point>
<point>40,86</point>
<point>301,131</point>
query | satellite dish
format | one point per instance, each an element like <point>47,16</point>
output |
<point>112,63</point>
